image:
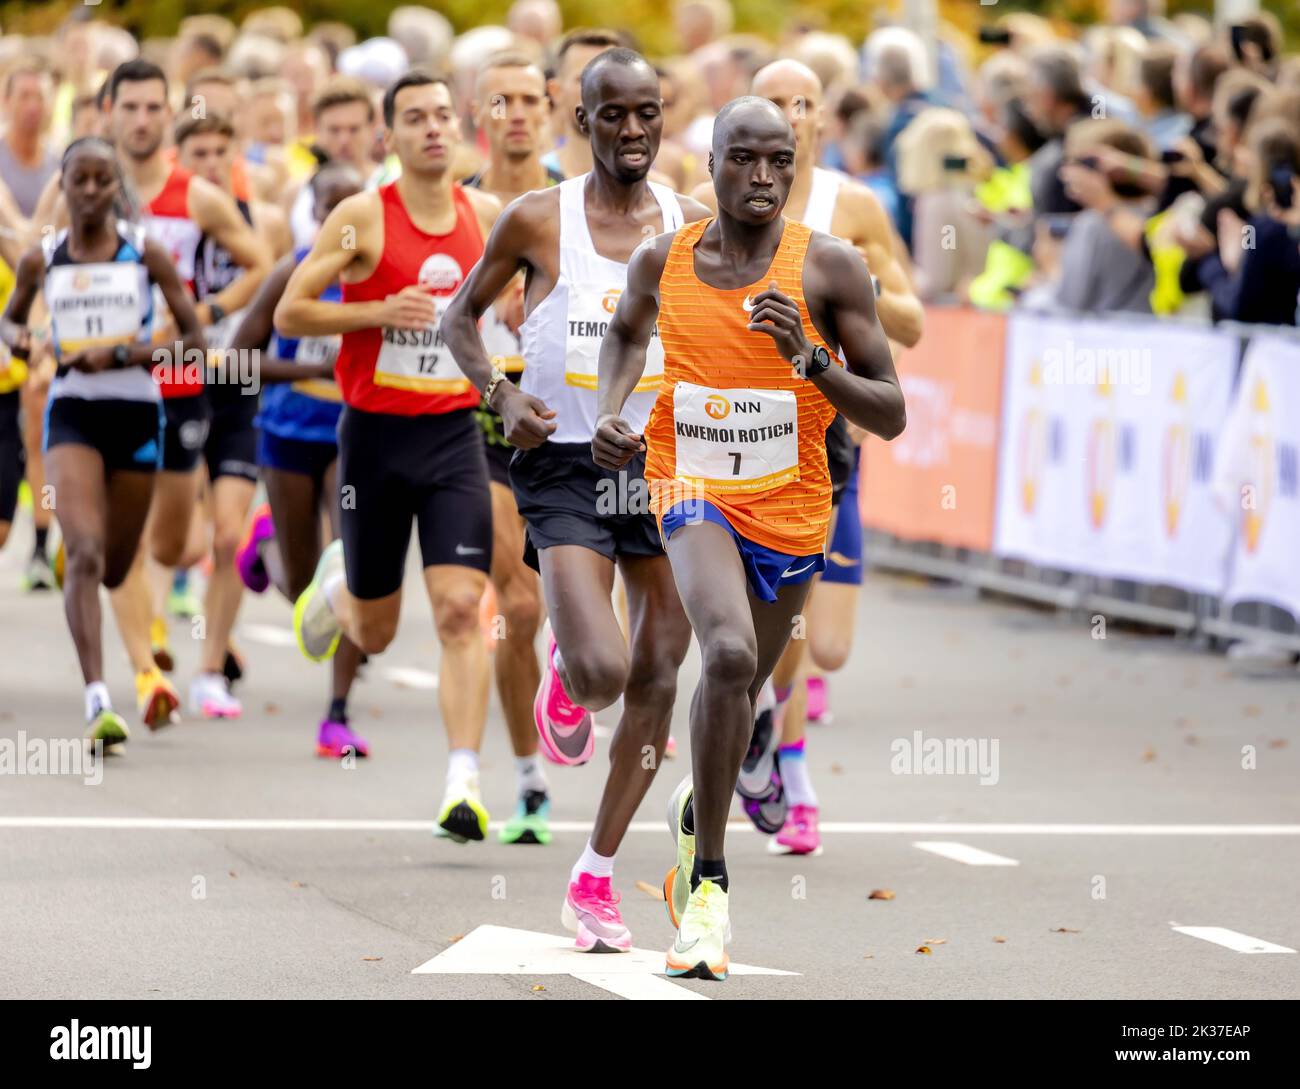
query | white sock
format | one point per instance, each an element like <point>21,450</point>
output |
<point>529,774</point>
<point>330,588</point>
<point>97,699</point>
<point>461,763</point>
<point>796,780</point>
<point>592,863</point>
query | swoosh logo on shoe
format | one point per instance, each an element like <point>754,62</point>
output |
<point>679,948</point>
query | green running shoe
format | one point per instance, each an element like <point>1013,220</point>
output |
<point>528,825</point>
<point>109,727</point>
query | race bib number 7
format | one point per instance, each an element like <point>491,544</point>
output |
<point>735,440</point>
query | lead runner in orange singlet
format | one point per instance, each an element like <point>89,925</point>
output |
<point>751,310</point>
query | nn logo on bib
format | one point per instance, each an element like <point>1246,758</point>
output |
<point>718,407</point>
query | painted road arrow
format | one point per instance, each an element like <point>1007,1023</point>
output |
<point>505,951</point>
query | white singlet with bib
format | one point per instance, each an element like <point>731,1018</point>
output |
<point>820,209</point>
<point>561,337</point>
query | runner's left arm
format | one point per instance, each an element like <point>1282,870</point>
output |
<point>218,215</point>
<point>622,354</point>
<point>838,290</point>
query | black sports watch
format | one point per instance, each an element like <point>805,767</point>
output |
<point>121,356</point>
<point>820,361</point>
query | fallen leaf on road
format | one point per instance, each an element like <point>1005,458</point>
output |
<point>376,712</point>
<point>1064,930</point>
<point>924,949</point>
<point>455,938</point>
<point>1252,710</point>
<point>538,987</point>
<point>1277,743</point>
<point>372,958</point>
<point>233,874</point>
<point>297,884</point>
<point>868,956</point>
<point>936,941</point>
<point>271,708</point>
<point>837,769</point>
<point>652,891</point>
<point>1148,754</point>
<point>881,894</point>
<point>1018,709</point>
<point>1000,941</point>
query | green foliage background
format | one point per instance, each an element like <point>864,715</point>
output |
<point>650,20</point>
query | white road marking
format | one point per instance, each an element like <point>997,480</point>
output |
<point>961,852</point>
<point>1240,943</point>
<point>329,824</point>
<point>504,950</point>
<point>411,678</point>
<point>267,635</point>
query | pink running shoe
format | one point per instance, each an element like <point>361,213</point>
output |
<point>818,709</point>
<point>336,739</point>
<point>564,727</point>
<point>252,571</point>
<point>799,835</point>
<point>591,912</point>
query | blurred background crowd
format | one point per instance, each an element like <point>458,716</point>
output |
<point>1091,156</point>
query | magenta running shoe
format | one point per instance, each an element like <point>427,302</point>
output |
<point>818,709</point>
<point>799,836</point>
<point>336,739</point>
<point>591,912</point>
<point>564,727</point>
<point>252,571</point>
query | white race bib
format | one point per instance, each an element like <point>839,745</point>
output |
<point>736,440</point>
<point>591,309</point>
<point>94,305</point>
<point>313,351</point>
<point>419,360</point>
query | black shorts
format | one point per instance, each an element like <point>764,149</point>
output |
<point>395,468</point>
<point>565,498</point>
<point>13,459</point>
<point>840,459</point>
<point>127,434</point>
<point>231,446</point>
<point>186,434</point>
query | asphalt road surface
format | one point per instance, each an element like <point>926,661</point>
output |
<point>223,859</point>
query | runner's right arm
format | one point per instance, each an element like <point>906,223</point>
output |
<point>622,353</point>
<point>527,421</point>
<point>343,241</point>
<point>254,332</point>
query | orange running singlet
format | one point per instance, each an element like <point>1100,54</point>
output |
<point>733,424</point>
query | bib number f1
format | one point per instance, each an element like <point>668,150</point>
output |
<point>735,440</point>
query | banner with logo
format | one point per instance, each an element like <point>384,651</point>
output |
<point>937,480</point>
<point>1258,473</point>
<point>1108,436</point>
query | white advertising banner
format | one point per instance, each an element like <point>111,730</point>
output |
<point>1108,449</point>
<point>1256,475</point>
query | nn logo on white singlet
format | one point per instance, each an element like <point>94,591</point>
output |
<point>115,1043</point>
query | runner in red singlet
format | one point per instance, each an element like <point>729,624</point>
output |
<point>409,445</point>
